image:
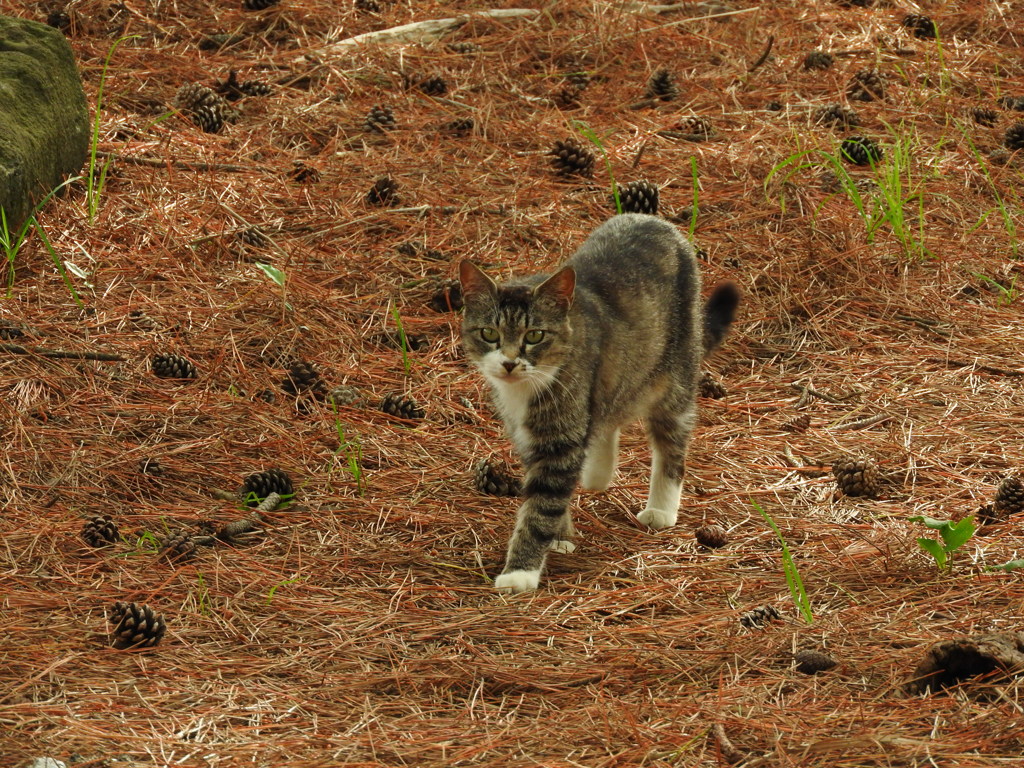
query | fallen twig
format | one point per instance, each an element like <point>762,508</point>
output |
<point>764,55</point>
<point>18,349</point>
<point>950,363</point>
<point>185,165</point>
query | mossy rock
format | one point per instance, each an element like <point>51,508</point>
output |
<point>44,124</point>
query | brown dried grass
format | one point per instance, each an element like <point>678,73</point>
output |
<point>362,630</point>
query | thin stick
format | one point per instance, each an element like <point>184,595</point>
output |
<point>867,421</point>
<point>950,363</point>
<point>18,349</point>
<point>764,56</point>
<point>726,748</point>
<point>186,165</point>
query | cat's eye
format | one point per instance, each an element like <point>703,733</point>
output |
<point>490,335</point>
<point>534,337</point>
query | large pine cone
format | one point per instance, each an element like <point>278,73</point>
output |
<point>569,158</point>
<point>100,531</point>
<point>638,197</point>
<point>401,406</point>
<point>383,192</point>
<point>178,547</point>
<point>135,626</point>
<point>257,486</point>
<point>380,118</point>
<point>303,376</point>
<point>170,366</point>
<point>495,478</point>
<point>662,85</point>
<point>818,60</point>
<point>1009,497</point>
<point>712,536</point>
<point>1014,138</point>
<point>866,85</point>
<point>860,150</point>
<point>857,477</point>
<point>837,115</point>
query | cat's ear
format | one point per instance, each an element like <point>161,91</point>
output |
<point>559,288</point>
<point>473,279</point>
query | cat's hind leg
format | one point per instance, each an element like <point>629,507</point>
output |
<point>669,431</point>
<point>602,456</point>
<point>563,539</point>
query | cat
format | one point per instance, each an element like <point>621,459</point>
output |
<point>615,335</point>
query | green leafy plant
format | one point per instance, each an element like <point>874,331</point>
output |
<point>352,449</point>
<point>279,278</point>
<point>402,340</point>
<point>1007,294</point>
<point>1009,223</point>
<point>1012,565</point>
<point>952,535</point>
<point>12,242</point>
<point>796,584</point>
<point>59,264</point>
<point>282,583</point>
<point>203,600</point>
<point>593,138</point>
<point>94,184</point>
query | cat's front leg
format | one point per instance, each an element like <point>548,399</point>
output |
<point>543,521</point>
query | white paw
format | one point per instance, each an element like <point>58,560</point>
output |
<point>562,546</point>
<point>657,518</point>
<point>514,582</point>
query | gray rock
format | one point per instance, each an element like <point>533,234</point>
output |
<point>46,762</point>
<point>44,124</point>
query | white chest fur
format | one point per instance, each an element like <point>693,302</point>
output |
<point>513,401</point>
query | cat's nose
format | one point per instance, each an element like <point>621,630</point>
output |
<point>509,365</point>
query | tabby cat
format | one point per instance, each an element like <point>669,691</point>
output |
<point>615,335</point>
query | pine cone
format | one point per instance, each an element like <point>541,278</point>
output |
<point>570,158</point>
<point>401,406</point>
<point>662,85</point>
<point>709,386</point>
<point>435,85</point>
<point>461,126</point>
<point>380,118</point>
<point>253,236</point>
<point>170,366</point>
<point>1013,103</point>
<point>257,486</point>
<point>60,19</point>
<point>836,114</point>
<point>233,90</point>
<point>177,546</point>
<point>760,616</point>
<point>860,150</point>
<point>344,395</point>
<point>638,197</point>
<point>922,26</point>
<point>302,377</point>
<point>712,536</point>
<point>812,662</point>
<point>799,423</point>
<point>447,297</point>
<point>695,126</point>
<point>1015,136</point>
<point>1009,498</point>
<point>818,60</point>
<point>151,467</point>
<point>100,531</point>
<point>984,116</point>
<point>463,47</point>
<point>866,85</point>
<point>303,174</point>
<point>135,626</point>
<point>857,477</point>
<point>495,478</point>
<point>383,192</point>
<point>368,6</point>
<point>258,5</point>
<point>206,108</point>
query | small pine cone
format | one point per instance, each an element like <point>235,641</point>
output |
<point>1014,139</point>
<point>435,85</point>
<point>709,386</point>
<point>836,114</point>
<point>463,47</point>
<point>695,126</point>
<point>253,236</point>
<point>303,174</point>
<point>987,515</point>
<point>256,88</point>
<point>984,116</point>
<point>857,477</point>
<point>178,547</point>
<point>100,531</point>
<point>712,536</point>
<point>344,395</point>
<point>638,197</point>
<point>258,5</point>
<point>379,119</point>
<point>818,60</point>
<point>402,407</point>
<point>760,616</point>
<point>460,126</point>
<point>302,377</point>
<point>151,467</point>
<point>1013,103</point>
<point>812,662</point>
<point>923,27</point>
<point>1009,497</point>
<point>383,192</point>
<point>257,486</point>
<point>447,297</point>
<point>230,89</point>
<point>191,96</point>
<point>662,85</point>
<point>171,366</point>
<point>799,423</point>
<point>866,85</point>
<point>495,478</point>
<point>570,158</point>
<point>368,6</point>
<point>135,626</point>
<point>60,19</point>
<point>860,150</point>
<point>774,106</point>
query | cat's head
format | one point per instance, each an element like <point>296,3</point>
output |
<point>517,332</point>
